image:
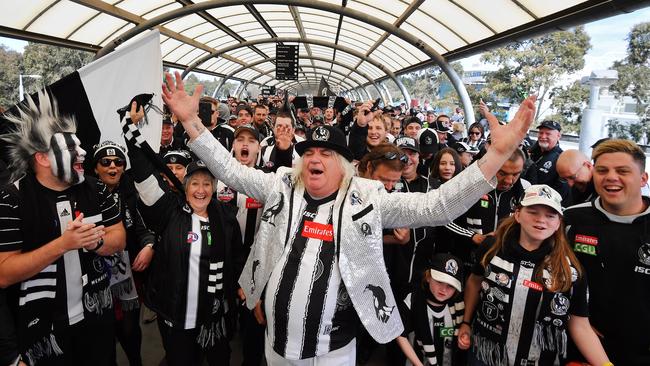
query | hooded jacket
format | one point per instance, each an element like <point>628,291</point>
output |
<point>361,210</point>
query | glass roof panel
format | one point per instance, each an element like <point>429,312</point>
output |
<point>371,70</point>
<point>246,74</point>
<point>140,7</point>
<point>97,29</point>
<point>179,52</point>
<point>199,30</point>
<point>424,37</point>
<point>437,31</point>
<point>227,11</point>
<point>547,7</point>
<point>267,66</point>
<point>355,27</point>
<point>222,42</point>
<point>412,53</point>
<point>22,12</point>
<point>376,10</point>
<point>389,58</point>
<point>355,40</point>
<point>234,20</point>
<point>454,17</point>
<point>51,22</point>
<point>326,51</point>
<point>284,23</point>
<point>125,28</point>
<point>322,63</point>
<point>508,16</point>
<point>186,22</point>
<point>264,79</point>
<point>347,58</point>
<point>162,10</point>
<point>250,58</point>
<point>192,56</point>
<point>169,45</point>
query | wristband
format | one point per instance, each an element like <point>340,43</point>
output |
<point>100,243</point>
<point>150,245</point>
<point>608,364</point>
<point>470,325</point>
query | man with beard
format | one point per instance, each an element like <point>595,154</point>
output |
<point>55,226</point>
<point>260,121</point>
<point>330,116</point>
<point>545,153</point>
<point>278,149</point>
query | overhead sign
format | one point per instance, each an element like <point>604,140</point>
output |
<point>268,91</point>
<point>286,62</point>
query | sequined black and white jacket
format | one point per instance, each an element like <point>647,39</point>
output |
<point>361,210</point>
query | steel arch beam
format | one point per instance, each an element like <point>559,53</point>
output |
<point>340,81</point>
<point>390,97</point>
<point>364,75</point>
<point>327,7</point>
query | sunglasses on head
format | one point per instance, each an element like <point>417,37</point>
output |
<point>391,155</point>
<point>106,162</point>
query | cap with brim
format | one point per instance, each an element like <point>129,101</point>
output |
<point>440,127</point>
<point>249,128</point>
<point>462,147</point>
<point>428,141</point>
<point>408,143</point>
<point>195,166</point>
<point>167,121</point>
<point>107,149</point>
<point>541,194</point>
<point>177,157</point>
<point>553,125</point>
<point>328,137</point>
<point>232,116</point>
<point>447,268</point>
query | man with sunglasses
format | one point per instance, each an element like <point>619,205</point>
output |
<point>318,254</point>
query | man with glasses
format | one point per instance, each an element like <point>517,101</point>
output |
<point>318,256</point>
<point>575,169</point>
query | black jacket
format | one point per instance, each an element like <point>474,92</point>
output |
<point>545,162</point>
<point>171,220</point>
<point>8,345</point>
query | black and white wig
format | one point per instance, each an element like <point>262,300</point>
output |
<point>32,132</point>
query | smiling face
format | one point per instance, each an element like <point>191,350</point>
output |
<point>198,191</point>
<point>66,158</point>
<point>410,170</point>
<point>447,167</point>
<point>396,127</point>
<point>538,223</point>
<point>547,138</point>
<point>376,132</point>
<point>246,148</point>
<point>412,129</point>
<point>167,134</point>
<point>329,114</point>
<point>321,172</point>
<point>618,180</point>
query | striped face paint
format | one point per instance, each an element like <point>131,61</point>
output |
<point>67,157</point>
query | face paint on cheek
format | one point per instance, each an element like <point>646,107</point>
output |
<point>65,152</point>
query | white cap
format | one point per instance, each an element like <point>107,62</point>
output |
<point>541,194</point>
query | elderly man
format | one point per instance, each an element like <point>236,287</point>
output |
<point>575,169</point>
<point>545,153</point>
<point>318,253</point>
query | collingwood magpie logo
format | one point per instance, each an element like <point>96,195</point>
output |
<point>559,305</point>
<point>644,254</point>
<point>382,310</point>
<point>270,213</point>
<point>256,264</point>
<point>320,134</point>
<point>544,192</point>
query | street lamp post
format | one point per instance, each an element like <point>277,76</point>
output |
<point>21,92</point>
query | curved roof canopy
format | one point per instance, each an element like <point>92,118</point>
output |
<point>453,28</point>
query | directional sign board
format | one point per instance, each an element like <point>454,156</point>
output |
<point>286,62</point>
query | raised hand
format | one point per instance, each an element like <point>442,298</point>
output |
<point>184,106</point>
<point>506,138</point>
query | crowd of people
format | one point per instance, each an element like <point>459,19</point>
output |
<point>318,228</point>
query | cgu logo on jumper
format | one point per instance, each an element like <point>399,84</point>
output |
<point>585,244</point>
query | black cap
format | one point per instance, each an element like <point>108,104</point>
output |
<point>167,121</point>
<point>412,119</point>
<point>428,141</point>
<point>408,143</point>
<point>431,111</point>
<point>250,128</point>
<point>387,109</point>
<point>195,166</point>
<point>553,125</point>
<point>440,127</point>
<point>462,147</point>
<point>109,148</point>
<point>448,269</point>
<point>177,157</point>
<point>600,141</point>
<point>329,137</point>
<point>318,119</point>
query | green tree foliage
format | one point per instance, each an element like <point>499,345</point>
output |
<point>634,81</point>
<point>209,85</point>
<point>52,62</point>
<point>536,65</point>
<point>10,68</point>
<point>568,102</point>
<point>425,85</point>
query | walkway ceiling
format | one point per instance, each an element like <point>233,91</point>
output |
<point>453,28</point>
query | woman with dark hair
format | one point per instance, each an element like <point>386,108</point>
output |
<point>475,136</point>
<point>527,290</point>
<point>444,166</point>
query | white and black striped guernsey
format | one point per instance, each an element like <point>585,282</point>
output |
<point>309,312</point>
<point>198,283</point>
<point>518,321</point>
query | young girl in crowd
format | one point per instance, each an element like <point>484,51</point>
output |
<point>526,290</point>
<point>432,313</point>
